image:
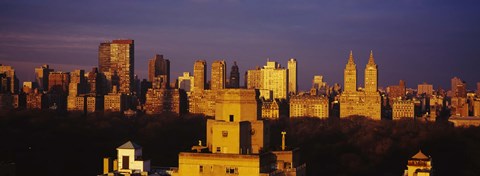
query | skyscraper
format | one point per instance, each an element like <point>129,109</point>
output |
<point>364,103</point>
<point>396,91</point>
<point>41,76</point>
<point>77,83</point>
<point>219,75</point>
<point>234,76</point>
<point>275,78</point>
<point>58,82</point>
<point>158,66</point>
<point>94,82</point>
<point>10,80</point>
<point>350,75</point>
<point>254,79</point>
<point>371,76</point>
<point>200,74</point>
<point>455,81</point>
<point>425,88</point>
<point>292,76</point>
<point>104,57</point>
<point>122,61</point>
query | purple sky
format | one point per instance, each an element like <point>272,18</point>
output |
<point>415,40</point>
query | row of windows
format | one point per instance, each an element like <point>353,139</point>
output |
<point>228,170</point>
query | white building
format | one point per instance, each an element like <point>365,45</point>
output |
<point>129,161</point>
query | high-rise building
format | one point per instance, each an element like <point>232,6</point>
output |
<point>186,82</point>
<point>219,75</point>
<point>364,103</point>
<point>459,88</point>
<point>425,88</point>
<point>275,78</point>
<point>77,83</point>
<point>350,75</point>
<point>35,100</point>
<point>202,102</point>
<point>200,74</point>
<point>454,82</point>
<point>104,57</point>
<point>371,76</point>
<point>318,86</point>
<point>94,82</point>
<point>397,91</point>
<point>292,76</point>
<point>122,61</point>
<point>158,66</point>
<point>41,77</point>
<point>234,76</point>
<point>58,82</point>
<point>9,79</point>
<point>459,106</point>
<point>165,100</point>
<point>115,101</point>
<point>254,79</point>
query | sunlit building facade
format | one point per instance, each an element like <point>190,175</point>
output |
<point>292,76</point>
<point>403,109</point>
<point>200,74</point>
<point>419,165</point>
<point>8,79</point>
<point>41,77</point>
<point>219,75</point>
<point>365,102</point>
<point>309,106</point>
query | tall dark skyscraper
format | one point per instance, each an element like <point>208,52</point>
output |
<point>234,76</point>
<point>159,67</point>
<point>200,74</point>
<point>104,57</point>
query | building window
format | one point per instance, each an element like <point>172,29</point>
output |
<point>218,149</point>
<point>224,133</point>
<point>231,170</point>
<point>231,118</point>
<point>201,169</point>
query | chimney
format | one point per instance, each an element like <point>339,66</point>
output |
<point>283,140</point>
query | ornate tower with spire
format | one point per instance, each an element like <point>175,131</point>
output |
<point>357,102</point>
<point>371,76</point>
<point>350,75</point>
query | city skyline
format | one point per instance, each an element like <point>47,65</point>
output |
<point>409,38</point>
<point>305,87</point>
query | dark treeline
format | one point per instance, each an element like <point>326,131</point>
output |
<point>47,143</point>
<point>359,146</point>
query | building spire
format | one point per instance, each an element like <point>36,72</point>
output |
<point>350,58</point>
<point>371,61</point>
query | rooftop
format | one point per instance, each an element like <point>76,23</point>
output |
<point>420,156</point>
<point>129,145</point>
